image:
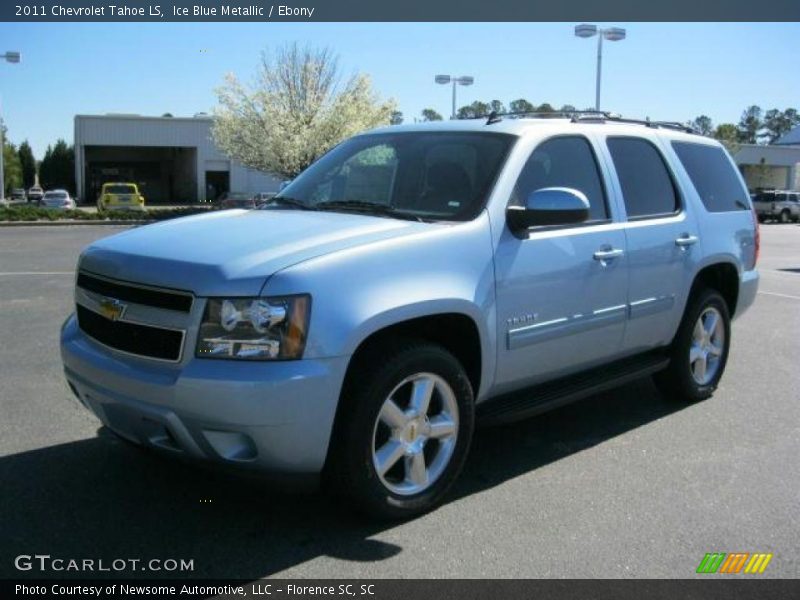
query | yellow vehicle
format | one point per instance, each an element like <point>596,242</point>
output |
<point>120,196</point>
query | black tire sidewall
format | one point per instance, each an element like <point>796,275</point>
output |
<point>358,472</point>
<point>680,369</point>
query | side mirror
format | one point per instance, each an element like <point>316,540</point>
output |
<point>549,206</point>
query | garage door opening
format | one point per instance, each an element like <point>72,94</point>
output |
<point>165,175</point>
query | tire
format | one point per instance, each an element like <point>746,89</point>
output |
<point>784,216</point>
<point>684,379</point>
<point>761,219</point>
<point>370,433</point>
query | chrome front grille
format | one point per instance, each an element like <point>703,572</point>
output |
<point>135,319</point>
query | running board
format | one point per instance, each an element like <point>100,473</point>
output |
<point>552,394</point>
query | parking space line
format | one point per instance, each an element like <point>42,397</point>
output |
<point>12,273</point>
<point>780,295</point>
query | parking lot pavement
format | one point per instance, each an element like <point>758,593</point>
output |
<point>625,484</point>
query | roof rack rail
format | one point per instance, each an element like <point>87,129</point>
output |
<point>584,116</point>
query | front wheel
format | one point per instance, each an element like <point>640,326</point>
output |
<point>699,351</point>
<point>404,431</point>
<point>784,218</point>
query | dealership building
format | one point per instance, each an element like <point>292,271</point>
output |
<point>172,159</point>
<point>773,166</point>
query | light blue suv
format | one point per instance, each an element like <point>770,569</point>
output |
<point>414,281</point>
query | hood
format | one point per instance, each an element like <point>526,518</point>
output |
<point>232,252</point>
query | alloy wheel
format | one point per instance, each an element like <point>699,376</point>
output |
<point>415,434</point>
<point>708,344</point>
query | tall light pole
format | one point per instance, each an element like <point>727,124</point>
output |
<point>463,80</point>
<point>12,57</point>
<point>612,34</point>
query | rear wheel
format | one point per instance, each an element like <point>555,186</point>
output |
<point>405,430</point>
<point>700,349</point>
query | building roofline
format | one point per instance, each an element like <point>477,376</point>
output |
<point>134,117</point>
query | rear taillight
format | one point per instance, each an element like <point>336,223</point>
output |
<point>757,238</point>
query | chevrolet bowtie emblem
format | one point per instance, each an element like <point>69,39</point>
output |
<point>112,309</point>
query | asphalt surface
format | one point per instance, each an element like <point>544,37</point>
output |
<point>625,484</point>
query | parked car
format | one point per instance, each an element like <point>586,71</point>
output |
<point>415,279</point>
<point>18,195</point>
<point>261,198</point>
<point>35,194</point>
<point>236,200</point>
<point>778,205</point>
<point>59,199</point>
<point>120,196</point>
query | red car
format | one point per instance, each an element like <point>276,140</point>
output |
<point>236,200</point>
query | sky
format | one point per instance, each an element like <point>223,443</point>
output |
<point>664,71</point>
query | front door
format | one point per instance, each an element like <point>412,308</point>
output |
<point>561,291</point>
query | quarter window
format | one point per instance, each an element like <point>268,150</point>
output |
<point>712,176</point>
<point>564,162</point>
<point>647,186</point>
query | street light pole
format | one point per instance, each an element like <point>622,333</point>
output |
<point>12,57</point>
<point>599,72</point>
<point>463,80</point>
<point>612,34</point>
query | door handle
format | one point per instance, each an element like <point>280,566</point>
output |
<point>603,255</point>
<point>686,240</point>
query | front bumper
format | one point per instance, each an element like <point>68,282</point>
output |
<point>274,417</point>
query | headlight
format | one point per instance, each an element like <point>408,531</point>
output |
<point>254,328</point>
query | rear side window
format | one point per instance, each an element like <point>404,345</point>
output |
<point>712,176</point>
<point>564,162</point>
<point>647,186</point>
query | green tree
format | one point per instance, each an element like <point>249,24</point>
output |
<point>471,111</point>
<point>428,114</point>
<point>396,118</point>
<point>12,170</point>
<point>497,106</point>
<point>28,164</point>
<point>728,134</point>
<point>778,123</point>
<point>703,125</point>
<point>567,108</point>
<point>545,108</point>
<point>295,111</point>
<point>521,105</point>
<point>750,125</point>
<point>57,169</point>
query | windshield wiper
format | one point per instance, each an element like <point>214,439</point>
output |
<point>287,201</point>
<point>367,207</point>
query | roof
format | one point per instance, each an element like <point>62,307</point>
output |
<point>522,125</point>
<point>791,138</point>
<point>135,117</point>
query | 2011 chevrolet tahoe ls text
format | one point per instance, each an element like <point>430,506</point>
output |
<point>409,283</point>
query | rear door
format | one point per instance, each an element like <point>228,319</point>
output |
<point>561,289</point>
<point>662,240</point>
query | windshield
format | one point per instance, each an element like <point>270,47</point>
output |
<point>120,189</point>
<point>432,176</point>
<point>55,195</point>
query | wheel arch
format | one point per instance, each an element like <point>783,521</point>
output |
<point>721,275</point>
<point>457,332</point>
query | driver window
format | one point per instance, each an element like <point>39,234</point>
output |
<point>366,176</point>
<point>564,162</point>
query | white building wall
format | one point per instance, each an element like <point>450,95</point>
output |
<point>192,132</point>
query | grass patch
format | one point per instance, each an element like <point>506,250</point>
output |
<point>34,213</point>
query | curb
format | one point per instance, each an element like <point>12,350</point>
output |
<point>64,222</point>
